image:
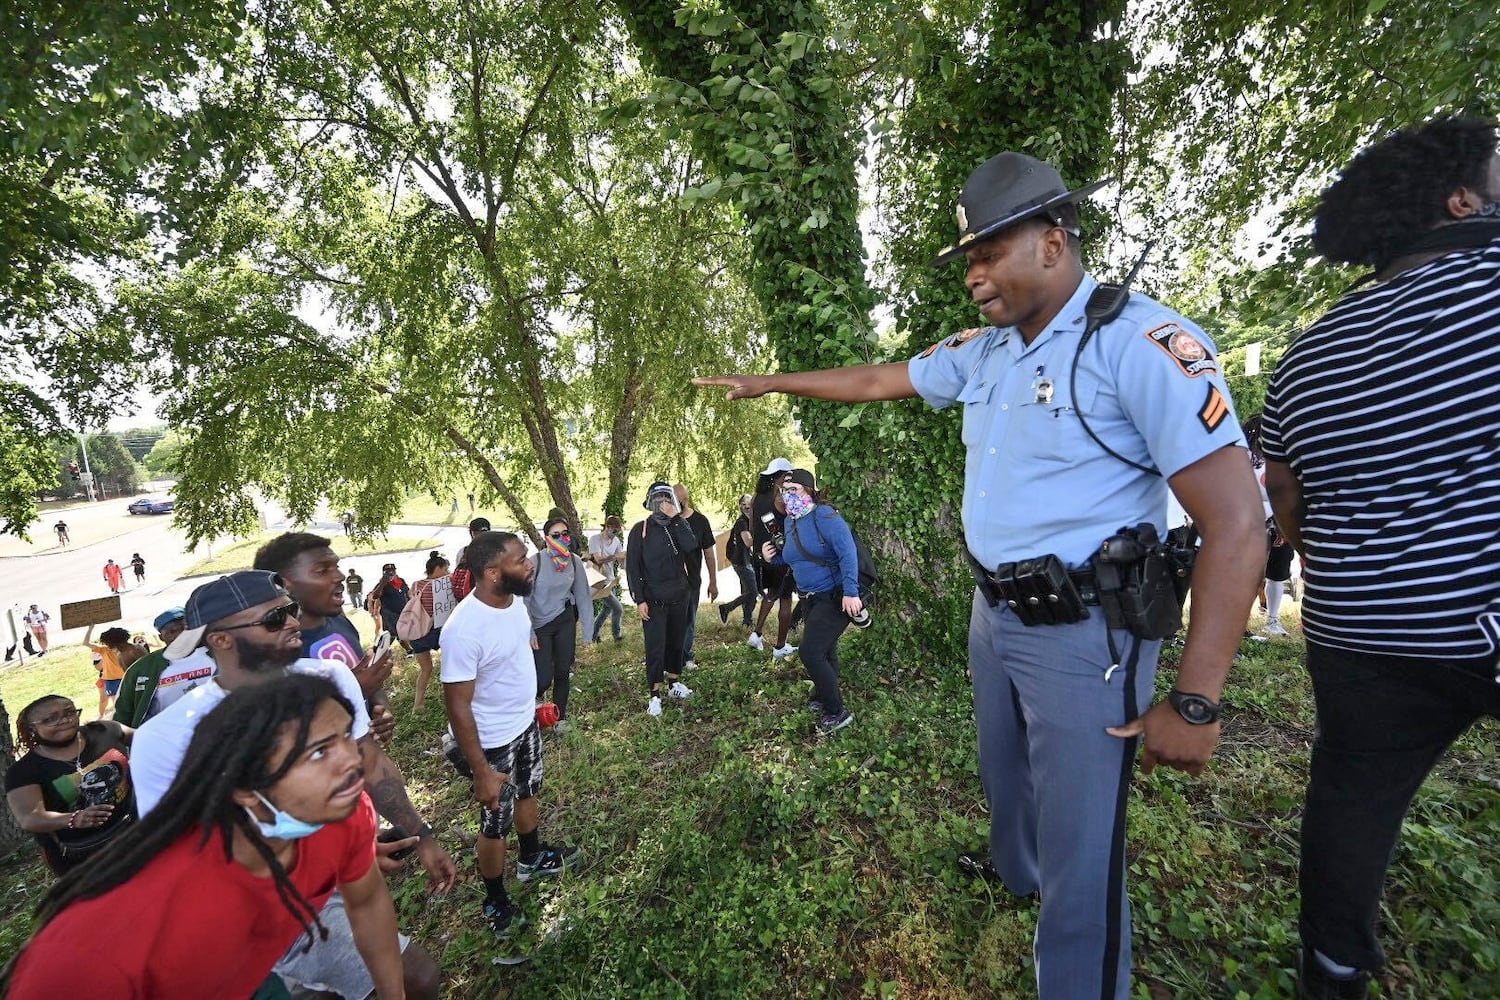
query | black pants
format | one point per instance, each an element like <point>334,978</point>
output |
<point>665,631</point>
<point>824,622</point>
<point>1383,722</point>
<point>557,648</point>
<point>748,594</point>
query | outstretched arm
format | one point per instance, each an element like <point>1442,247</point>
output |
<point>856,384</point>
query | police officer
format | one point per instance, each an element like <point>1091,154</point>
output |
<point>1059,707</point>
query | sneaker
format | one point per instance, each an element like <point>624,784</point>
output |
<point>723,614</point>
<point>755,641</point>
<point>1315,983</point>
<point>549,860</point>
<point>504,920</point>
<point>619,638</point>
<point>1274,627</point>
<point>815,707</point>
<point>562,726</point>
<point>690,665</point>
<point>680,691</point>
<point>976,864</point>
<point>830,724</point>
<point>654,708</point>
<point>784,651</point>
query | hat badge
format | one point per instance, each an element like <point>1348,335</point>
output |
<point>963,218</point>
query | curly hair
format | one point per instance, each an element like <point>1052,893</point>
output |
<point>25,728</point>
<point>1397,189</point>
<point>279,553</point>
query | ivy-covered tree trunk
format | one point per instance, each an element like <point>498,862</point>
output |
<point>11,834</point>
<point>756,85</point>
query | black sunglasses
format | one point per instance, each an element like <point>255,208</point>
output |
<point>273,621</point>
<point>558,534</point>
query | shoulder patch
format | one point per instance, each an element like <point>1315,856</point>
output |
<point>1214,409</point>
<point>960,339</point>
<point>931,350</point>
<point>1183,348</point>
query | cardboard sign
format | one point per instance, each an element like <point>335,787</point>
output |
<point>95,612</point>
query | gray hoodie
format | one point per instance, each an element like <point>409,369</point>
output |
<point>552,592</point>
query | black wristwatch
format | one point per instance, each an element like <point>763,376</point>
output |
<point>1195,709</point>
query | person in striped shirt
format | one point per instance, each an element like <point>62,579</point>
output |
<point>1380,434</point>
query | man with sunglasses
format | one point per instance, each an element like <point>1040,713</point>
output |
<point>248,623</point>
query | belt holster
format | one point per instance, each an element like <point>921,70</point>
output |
<point>1038,590</point>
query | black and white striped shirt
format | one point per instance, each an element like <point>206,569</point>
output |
<point>1388,411</point>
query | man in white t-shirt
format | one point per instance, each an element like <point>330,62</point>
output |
<point>489,685</point>
<point>607,552</point>
<point>248,623</point>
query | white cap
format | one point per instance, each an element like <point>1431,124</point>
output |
<point>777,465</point>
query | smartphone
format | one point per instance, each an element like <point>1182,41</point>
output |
<point>393,834</point>
<point>382,646</point>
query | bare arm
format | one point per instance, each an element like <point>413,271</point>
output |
<point>372,918</point>
<point>31,815</point>
<point>458,696</point>
<point>1287,502</point>
<point>856,384</point>
<point>387,790</point>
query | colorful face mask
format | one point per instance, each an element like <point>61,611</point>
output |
<point>797,504</point>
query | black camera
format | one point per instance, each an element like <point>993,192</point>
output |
<point>769,519</point>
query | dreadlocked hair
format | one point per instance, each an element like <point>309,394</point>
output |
<point>25,731</point>
<point>230,751</point>
<point>1398,189</point>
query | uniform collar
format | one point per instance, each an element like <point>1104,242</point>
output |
<point>1069,319</point>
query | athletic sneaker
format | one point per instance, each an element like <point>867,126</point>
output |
<point>1275,627</point>
<point>830,724</point>
<point>755,641</point>
<point>504,920</point>
<point>815,707</point>
<point>680,691</point>
<point>976,864</point>
<point>654,707</point>
<point>549,860</point>
<point>723,614</point>
<point>562,726</point>
<point>784,651</point>
<point>1316,983</point>
<point>690,665</point>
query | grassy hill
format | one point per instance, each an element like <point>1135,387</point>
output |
<point>734,854</point>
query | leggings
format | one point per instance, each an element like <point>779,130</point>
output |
<point>665,631</point>
<point>557,645</point>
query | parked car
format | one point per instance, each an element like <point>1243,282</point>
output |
<point>152,505</point>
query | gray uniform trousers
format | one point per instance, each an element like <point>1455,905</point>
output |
<point>1057,785</point>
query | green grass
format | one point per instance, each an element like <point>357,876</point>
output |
<point>736,855</point>
<point>241,554</point>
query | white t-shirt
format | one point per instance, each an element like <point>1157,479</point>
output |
<point>181,676</point>
<point>605,548</point>
<point>492,648</point>
<point>159,745</point>
<point>37,619</point>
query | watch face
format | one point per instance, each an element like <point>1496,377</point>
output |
<point>1194,710</point>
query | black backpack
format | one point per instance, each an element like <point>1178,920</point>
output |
<point>869,576</point>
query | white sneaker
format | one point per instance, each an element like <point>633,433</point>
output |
<point>690,665</point>
<point>680,690</point>
<point>784,651</point>
<point>655,707</point>
<point>755,641</point>
<point>1274,627</point>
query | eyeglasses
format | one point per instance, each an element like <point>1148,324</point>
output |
<point>558,534</point>
<point>273,621</point>
<point>59,718</point>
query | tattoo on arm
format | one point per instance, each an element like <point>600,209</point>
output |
<point>388,792</point>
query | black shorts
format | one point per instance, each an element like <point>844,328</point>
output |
<point>428,643</point>
<point>521,758</point>
<point>776,582</point>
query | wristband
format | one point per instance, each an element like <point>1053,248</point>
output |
<point>72,819</point>
<point>424,831</point>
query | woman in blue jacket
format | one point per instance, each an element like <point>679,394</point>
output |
<point>819,548</point>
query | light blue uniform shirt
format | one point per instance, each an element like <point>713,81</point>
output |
<point>1034,482</point>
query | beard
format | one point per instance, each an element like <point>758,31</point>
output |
<point>516,586</point>
<point>263,657</point>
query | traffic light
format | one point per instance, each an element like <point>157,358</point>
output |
<point>73,470</point>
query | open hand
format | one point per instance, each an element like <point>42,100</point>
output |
<point>740,386</point>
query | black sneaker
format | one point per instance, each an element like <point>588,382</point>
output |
<point>723,614</point>
<point>1315,983</point>
<point>830,724</point>
<point>548,861</point>
<point>976,864</point>
<point>504,920</point>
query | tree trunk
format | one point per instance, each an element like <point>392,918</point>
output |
<point>11,834</point>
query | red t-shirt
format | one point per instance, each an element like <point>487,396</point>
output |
<point>189,923</point>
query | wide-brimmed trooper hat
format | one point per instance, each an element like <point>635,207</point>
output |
<point>1005,190</point>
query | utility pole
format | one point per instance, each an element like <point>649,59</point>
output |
<point>88,474</point>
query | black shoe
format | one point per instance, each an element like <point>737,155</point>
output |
<point>549,860</point>
<point>976,864</point>
<point>504,920</point>
<point>1314,982</point>
<point>723,614</point>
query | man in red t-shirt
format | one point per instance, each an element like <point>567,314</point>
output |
<point>266,818</point>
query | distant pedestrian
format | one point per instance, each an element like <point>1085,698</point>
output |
<point>703,554</point>
<point>455,503</point>
<point>36,622</point>
<point>607,552</point>
<point>558,602</point>
<point>114,576</point>
<point>116,653</point>
<point>471,503</point>
<point>355,585</point>
<point>431,602</point>
<point>139,565</point>
<point>389,598</point>
<point>739,555</point>
<point>61,527</point>
<point>656,571</point>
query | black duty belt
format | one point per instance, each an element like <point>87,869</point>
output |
<point>1039,590</point>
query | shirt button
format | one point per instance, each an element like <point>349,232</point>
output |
<point>992,451</point>
<point>1004,406</point>
<point>982,494</point>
